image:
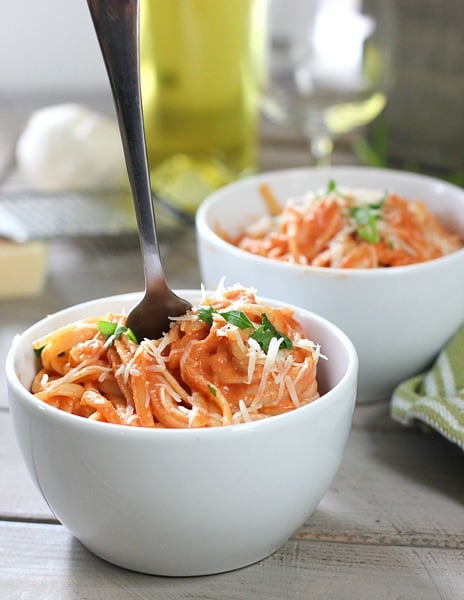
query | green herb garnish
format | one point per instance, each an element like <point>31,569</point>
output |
<point>332,186</point>
<point>212,389</point>
<point>234,317</point>
<point>38,351</point>
<point>237,318</point>
<point>262,334</point>
<point>266,331</point>
<point>206,314</point>
<point>115,330</point>
<point>366,218</point>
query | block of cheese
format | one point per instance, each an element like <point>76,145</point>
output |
<point>23,269</point>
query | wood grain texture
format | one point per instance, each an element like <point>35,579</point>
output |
<point>59,568</point>
<point>19,498</point>
<point>395,486</point>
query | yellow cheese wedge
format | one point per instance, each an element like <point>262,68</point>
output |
<point>23,269</point>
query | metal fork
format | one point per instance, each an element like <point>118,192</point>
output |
<point>116,24</point>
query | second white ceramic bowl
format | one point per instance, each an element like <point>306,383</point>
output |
<point>398,318</point>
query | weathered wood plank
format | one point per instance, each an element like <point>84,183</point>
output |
<point>395,486</point>
<point>45,562</point>
<point>19,498</point>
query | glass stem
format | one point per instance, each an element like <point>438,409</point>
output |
<point>321,147</point>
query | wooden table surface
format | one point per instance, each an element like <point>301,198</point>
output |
<point>390,527</point>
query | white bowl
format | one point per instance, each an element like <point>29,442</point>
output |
<point>398,318</point>
<point>186,501</point>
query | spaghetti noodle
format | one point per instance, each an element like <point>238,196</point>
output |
<point>229,360</point>
<point>348,229</point>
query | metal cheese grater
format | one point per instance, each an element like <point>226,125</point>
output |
<point>32,216</point>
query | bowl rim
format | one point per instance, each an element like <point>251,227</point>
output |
<point>204,229</point>
<point>21,394</point>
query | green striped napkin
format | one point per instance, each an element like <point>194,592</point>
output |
<point>436,397</point>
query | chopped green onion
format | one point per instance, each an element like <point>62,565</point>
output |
<point>212,389</point>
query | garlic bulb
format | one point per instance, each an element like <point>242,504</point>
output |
<point>70,147</point>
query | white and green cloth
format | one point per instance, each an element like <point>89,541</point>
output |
<point>436,397</point>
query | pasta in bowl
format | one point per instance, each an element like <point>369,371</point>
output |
<point>229,360</point>
<point>398,307</point>
<point>172,500</point>
<point>348,229</point>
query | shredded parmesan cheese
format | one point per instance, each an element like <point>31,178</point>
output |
<point>289,384</point>
<point>244,411</point>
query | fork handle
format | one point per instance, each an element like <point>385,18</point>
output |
<point>116,24</point>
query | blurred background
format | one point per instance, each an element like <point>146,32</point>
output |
<point>50,50</point>
<point>49,46</point>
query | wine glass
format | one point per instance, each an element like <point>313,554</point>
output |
<point>328,67</point>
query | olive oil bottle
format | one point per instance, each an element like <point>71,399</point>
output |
<point>201,64</point>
